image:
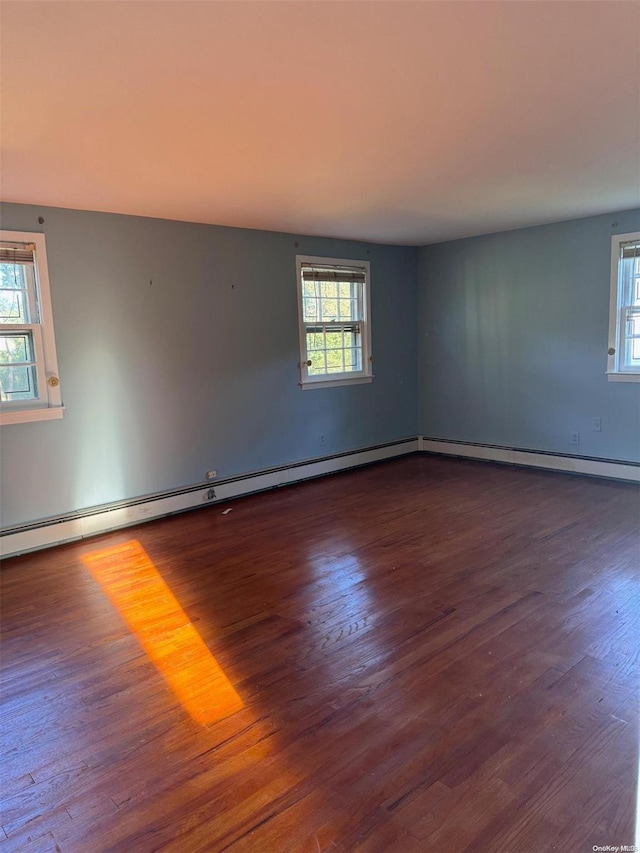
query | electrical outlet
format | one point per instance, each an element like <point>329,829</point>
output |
<point>211,475</point>
<point>321,439</point>
<point>597,424</point>
<point>575,438</point>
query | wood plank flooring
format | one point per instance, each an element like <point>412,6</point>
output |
<point>426,654</point>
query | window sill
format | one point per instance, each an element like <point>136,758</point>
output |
<point>23,416</point>
<point>623,377</point>
<point>335,383</point>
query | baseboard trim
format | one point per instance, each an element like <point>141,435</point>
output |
<point>101,519</point>
<point>95,520</point>
<point>608,468</point>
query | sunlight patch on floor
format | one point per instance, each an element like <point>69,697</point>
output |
<point>135,587</point>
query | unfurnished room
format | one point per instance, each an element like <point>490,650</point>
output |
<point>319,426</point>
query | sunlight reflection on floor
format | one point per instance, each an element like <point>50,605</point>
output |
<point>149,608</point>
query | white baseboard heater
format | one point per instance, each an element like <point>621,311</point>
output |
<point>609,468</point>
<point>100,519</point>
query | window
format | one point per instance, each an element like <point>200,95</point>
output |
<point>29,384</point>
<point>335,336</point>
<point>624,321</point>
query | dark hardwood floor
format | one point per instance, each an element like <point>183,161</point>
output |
<point>424,655</point>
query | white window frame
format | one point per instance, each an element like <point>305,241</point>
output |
<point>333,380</point>
<point>616,370</point>
<point>48,404</point>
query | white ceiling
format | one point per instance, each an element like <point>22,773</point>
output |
<point>398,122</point>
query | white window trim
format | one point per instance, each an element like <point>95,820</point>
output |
<point>49,406</point>
<point>614,371</point>
<point>334,380</point>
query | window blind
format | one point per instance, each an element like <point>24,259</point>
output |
<point>324,274</point>
<point>17,253</point>
<point>629,250</point>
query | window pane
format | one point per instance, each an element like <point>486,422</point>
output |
<point>13,306</point>
<point>18,383</point>
<point>15,349</point>
<point>633,324</point>
<point>632,339</point>
<point>347,310</point>
<point>334,351</point>
<point>17,375</point>
<point>334,361</point>
<point>315,341</point>
<point>328,310</point>
<point>13,276</point>
<point>318,364</point>
<point>331,301</point>
<point>329,289</point>
<point>334,339</point>
<point>14,300</point>
<point>310,309</point>
<point>626,281</point>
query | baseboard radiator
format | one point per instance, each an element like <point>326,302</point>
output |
<point>101,519</point>
<point>612,469</point>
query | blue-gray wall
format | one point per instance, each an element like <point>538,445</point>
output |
<point>513,336</point>
<point>197,370</point>
<point>178,351</point>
